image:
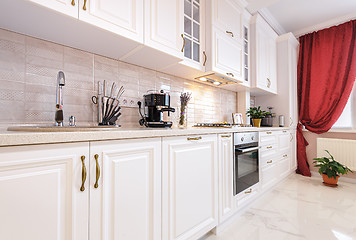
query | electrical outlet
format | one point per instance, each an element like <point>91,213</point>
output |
<point>129,102</point>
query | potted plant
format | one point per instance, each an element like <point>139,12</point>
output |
<point>330,169</point>
<point>256,114</point>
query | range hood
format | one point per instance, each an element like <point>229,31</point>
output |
<point>217,79</point>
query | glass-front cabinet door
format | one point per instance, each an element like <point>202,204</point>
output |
<point>194,37</point>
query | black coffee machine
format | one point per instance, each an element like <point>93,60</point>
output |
<point>155,105</point>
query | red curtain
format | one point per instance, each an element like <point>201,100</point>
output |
<point>326,75</point>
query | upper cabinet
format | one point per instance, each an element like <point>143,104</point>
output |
<point>67,7</point>
<point>123,17</point>
<point>224,30</point>
<point>263,55</point>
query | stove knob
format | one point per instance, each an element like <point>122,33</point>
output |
<point>242,139</point>
<point>252,138</point>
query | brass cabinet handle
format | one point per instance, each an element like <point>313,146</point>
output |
<point>269,161</point>
<point>230,74</point>
<point>268,83</point>
<point>84,174</point>
<point>84,6</point>
<point>96,185</point>
<point>285,155</point>
<point>284,131</point>
<point>232,34</point>
<point>268,132</point>
<point>269,147</point>
<point>249,191</point>
<point>225,136</point>
<point>193,138</point>
<point>205,58</point>
<point>73,3</point>
<point>183,42</point>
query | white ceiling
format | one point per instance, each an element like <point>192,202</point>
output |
<point>303,16</point>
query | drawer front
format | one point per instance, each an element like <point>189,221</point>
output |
<point>268,161</point>
<point>269,176</point>
<point>246,196</point>
<point>284,141</point>
<point>268,137</point>
<point>283,167</point>
<point>268,150</point>
<point>283,155</point>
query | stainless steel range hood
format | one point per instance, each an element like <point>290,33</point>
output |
<point>217,79</point>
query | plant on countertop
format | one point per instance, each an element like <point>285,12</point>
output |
<point>184,99</point>
<point>256,113</point>
<point>330,167</point>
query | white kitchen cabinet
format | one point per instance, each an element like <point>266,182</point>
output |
<point>224,38</point>
<point>293,150</point>
<point>263,55</point>
<point>126,204</point>
<point>189,186</point>
<point>226,168</point>
<point>123,17</point>
<point>41,195</point>
<point>67,7</point>
<point>164,26</point>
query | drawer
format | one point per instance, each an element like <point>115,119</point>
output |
<point>268,137</point>
<point>268,162</point>
<point>246,196</point>
<point>283,167</point>
<point>284,141</point>
<point>283,155</point>
<point>269,176</point>
<point>268,151</point>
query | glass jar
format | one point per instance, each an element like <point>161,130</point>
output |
<point>183,118</point>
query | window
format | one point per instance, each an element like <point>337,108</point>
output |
<point>348,116</point>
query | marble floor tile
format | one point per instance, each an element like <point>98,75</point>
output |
<point>298,208</point>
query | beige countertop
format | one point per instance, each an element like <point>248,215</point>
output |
<point>12,138</point>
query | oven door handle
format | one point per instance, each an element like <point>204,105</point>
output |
<point>247,149</point>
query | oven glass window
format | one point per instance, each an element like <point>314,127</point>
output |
<point>246,170</point>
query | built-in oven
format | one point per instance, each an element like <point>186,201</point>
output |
<point>246,171</point>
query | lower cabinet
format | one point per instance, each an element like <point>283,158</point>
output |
<point>226,168</point>
<point>44,192</point>
<point>189,186</point>
<point>125,190</point>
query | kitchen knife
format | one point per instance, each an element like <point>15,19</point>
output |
<point>110,101</point>
<point>100,103</point>
<point>105,99</point>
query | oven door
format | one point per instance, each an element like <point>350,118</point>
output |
<point>246,172</point>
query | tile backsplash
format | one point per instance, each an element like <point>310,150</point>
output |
<point>28,75</point>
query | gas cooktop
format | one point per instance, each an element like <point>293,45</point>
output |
<point>226,125</point>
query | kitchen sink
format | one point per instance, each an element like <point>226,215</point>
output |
<point>62,129</point>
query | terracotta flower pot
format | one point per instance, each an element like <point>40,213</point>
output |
<point>330,181</point>
<point>256,122</point>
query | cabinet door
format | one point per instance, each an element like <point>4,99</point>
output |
<point>164,26</point>
<point>283,141</point>
<point>124,17</point>
<point>67,7</point>
<point>293,150</point>
<point>189,186</point>
<point>226,168</point>
<point>269,175</point>
<point>227,16</point>
<point>293,106</point>
<point>227,55</point>
<point>126,202</point>
<point>40,192</point>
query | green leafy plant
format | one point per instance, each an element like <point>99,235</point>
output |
<point>256,113</point>
<point>330,167</point>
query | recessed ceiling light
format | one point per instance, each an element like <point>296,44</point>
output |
<point>203,79</point>
<point>217,83</point>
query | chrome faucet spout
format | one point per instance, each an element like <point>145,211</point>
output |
<point>59,103</point>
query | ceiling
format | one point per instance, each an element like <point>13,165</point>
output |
<point>303,16</point>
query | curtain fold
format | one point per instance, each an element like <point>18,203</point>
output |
<point>326,75</point>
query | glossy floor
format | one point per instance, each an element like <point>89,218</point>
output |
<point>298,208</point>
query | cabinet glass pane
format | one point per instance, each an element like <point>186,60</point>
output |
<point>188,26</point>
<point>196,16</point>
<point>196,31</point>
<point>245,33</point>
<point>196,52</point>
<point>245,47</point>
<point>197,1</point>
<point>246,74</point>
<point>188,48</point>
<point>246,60</point>
<point>188,7</point>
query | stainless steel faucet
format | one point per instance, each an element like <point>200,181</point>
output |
<point>59,104</point>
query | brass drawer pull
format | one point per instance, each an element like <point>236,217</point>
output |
<point>284,131</point>
<point>183,42</point>
<point>96,185</point>
<point>232,34</point>
<point>269,147</point>
<point>270,161</point>
<point>84,174</point>
<point>73,3</point>
<point>249,191</point>
<point>205,58</point>
<point>193,138</point>
<point>268,132</point>
<point>285,155</point>
<point>225,136</point>
<point>230,74</point>
<point>85,5</point>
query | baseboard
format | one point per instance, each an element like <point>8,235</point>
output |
<point>341,179</point>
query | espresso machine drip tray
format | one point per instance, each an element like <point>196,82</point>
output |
<point>159,124</point>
